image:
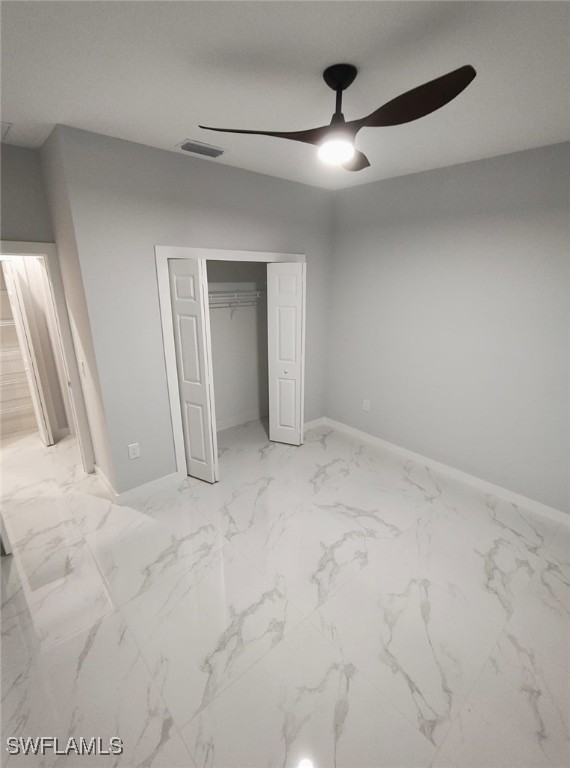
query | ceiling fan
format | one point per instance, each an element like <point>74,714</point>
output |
<point>336,140</point>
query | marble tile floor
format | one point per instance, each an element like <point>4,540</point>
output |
<point>329,602</point>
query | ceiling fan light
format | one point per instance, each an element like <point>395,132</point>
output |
<point>336,151</point>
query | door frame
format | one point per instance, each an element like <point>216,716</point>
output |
<point>162,254</point>
<point>48,252</point>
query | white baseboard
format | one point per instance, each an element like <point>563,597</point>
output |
<point>314,423</point>
<point>127,497</point>
<point>113,495</point>
<point>556,515</point>
<point>160,484</point>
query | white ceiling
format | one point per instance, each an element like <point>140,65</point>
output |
<point>150,72</point>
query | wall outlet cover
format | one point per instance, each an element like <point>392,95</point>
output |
<point>134,450</point>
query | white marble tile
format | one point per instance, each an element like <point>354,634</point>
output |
<point>542,617</point>
<point>419,644</point>
<point>440,761</point>
<point>438,629</point>
<point>464,548</point>
<point>25,495</point>
<point>517,714</point>
<point>303,700</point>
<point>522,698</point>
<point>95,684</point>
<point>311,551</point>
<point>383,512</point>
<point>61,587</point>
<point>20,642</point>
<point>29,709</point>
<point>199,631</point>
<point>66,463</point>
<point>146,550</point>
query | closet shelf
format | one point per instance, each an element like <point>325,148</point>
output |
<point>234,298</point>
<point>6,322</point>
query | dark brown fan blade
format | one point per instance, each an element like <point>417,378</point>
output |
<point>358,162</point>
<point>422,100</point>
<point>311,136</point>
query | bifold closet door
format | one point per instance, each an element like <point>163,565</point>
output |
<point>189,296</point>
<point>286,350</point>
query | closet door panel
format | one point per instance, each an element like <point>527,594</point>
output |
<point>286,337</point>
<point>189,296</point>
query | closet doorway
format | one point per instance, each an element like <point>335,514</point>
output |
<point>234,337</point>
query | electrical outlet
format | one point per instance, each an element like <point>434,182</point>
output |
<point>366,405</point>
<point>134,450</point>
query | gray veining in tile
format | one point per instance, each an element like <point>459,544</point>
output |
<point>330,601</point>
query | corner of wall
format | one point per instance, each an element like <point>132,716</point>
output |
<point>59,199</point>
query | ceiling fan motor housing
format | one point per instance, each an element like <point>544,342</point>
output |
<point>340,76</point>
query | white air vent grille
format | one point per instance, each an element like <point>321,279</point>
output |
<point>199,148</point>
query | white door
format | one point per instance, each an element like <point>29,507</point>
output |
<point>31,355</point>
<point>286,350</point>
<point>189,296</point>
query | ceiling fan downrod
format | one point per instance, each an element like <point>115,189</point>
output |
<point>338,77</point>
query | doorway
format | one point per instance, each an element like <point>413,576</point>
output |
<point>33,388</point>
<point>186,302</point>
<point>43,372</point>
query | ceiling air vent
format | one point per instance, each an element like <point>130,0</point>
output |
<point>199,148</point>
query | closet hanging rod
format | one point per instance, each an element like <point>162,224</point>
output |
<point>236,294</point>
<point>226,299</point>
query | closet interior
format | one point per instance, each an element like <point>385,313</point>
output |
<point>237,293</point>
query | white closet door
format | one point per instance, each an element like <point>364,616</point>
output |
<point>189,295</point>
<point>286,349</point>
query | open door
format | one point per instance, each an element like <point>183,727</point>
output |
<point>286,350</point>
<point>30,348</point>
<point>189,297</point>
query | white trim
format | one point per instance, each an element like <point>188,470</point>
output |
<point>303,329</point>
<point>162,254</point>
<point>133,494</point>
<point>22,248</point>
<point>113,495</point>
<point>161,484</point>
<point>556,515</point>
<point>217,254</point>
<point>314,423</point>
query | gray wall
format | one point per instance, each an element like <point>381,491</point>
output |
<point>449,311</point>
<point>239,345</point>
<point>124,199</point>
<point>24,213</point>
